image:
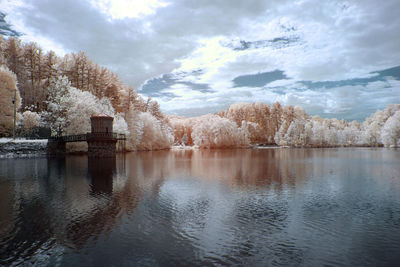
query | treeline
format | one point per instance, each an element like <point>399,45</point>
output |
<point>61,93</point>
<point>244,124</point>
<point>35,70</point>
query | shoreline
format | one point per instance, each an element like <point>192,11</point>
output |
<point>26,148</point>
<point>22,148</point>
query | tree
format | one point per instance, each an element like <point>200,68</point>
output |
<point>30,120</point>
<point>391,131</point>
<point>50,67</point>
<point>13,55</point>
<point>135,128</point>
<point>9,93</point>
<point>32,57</point>
<point>154,109</point>
<point>156,135</point>
<point>2,44</point>
<point>237,112</point>
<point>295,135</point>
<point>372,134</point>
<point>58,104</point>
<point>275,117</point>
<point>81,106</point>
<point>182,129</point>
<point>256,113</point>
<point>212,131</point>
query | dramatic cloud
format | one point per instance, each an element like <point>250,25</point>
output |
<point>195,57</point>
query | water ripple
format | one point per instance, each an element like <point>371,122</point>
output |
<point>287,207</point>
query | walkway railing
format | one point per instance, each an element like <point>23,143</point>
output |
<point>85,137</point>
<point>106,136</point>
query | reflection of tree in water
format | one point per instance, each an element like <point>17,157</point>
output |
<point>20,235</point>
<point>239,226</point>
<point>237,167</point>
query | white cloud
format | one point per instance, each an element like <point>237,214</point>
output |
<point>121,9</point>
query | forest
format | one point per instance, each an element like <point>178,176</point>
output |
<point>61,93</point>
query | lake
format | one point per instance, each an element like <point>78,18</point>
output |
<point>244,207</point>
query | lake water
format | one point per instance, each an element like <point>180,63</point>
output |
<point>266,207</point>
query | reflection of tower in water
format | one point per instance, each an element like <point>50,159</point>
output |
<point>101,171</point>
<point>108,196</point>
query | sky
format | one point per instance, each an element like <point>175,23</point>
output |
<point>334,58</point>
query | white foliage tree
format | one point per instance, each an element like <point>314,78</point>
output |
<point>29,121</point>
<point>135,128</point>
<point>156,135</point>
<point>391,131</point>
<point>182,128</point>
<point>120,125</point>
<point>82,106</point>
<point>318,134</point>
<point>58,103</point>
<point>212,131</point>
<point>331,137</point>
<point>8,89</point>
<point>295,135</point>
<point>70,109</point>
<point>371,134</point>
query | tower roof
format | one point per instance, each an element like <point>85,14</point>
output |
<point>101,115</point>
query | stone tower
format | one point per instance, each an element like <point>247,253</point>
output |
<point>101,141</point>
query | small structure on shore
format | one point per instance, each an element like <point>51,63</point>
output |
<point>101,123</point>
<point>101,140</point>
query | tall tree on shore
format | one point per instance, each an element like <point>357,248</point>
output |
<point>13,55</point>
<point>33,93</point>
<point>57,105</point>
<point>9,93</point>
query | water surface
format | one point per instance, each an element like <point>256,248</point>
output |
<point>267,207</point>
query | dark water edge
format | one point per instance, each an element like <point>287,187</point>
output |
<point>22,149</point>
<point>266,207</point>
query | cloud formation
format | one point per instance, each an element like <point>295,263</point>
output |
<point>196,56</point>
